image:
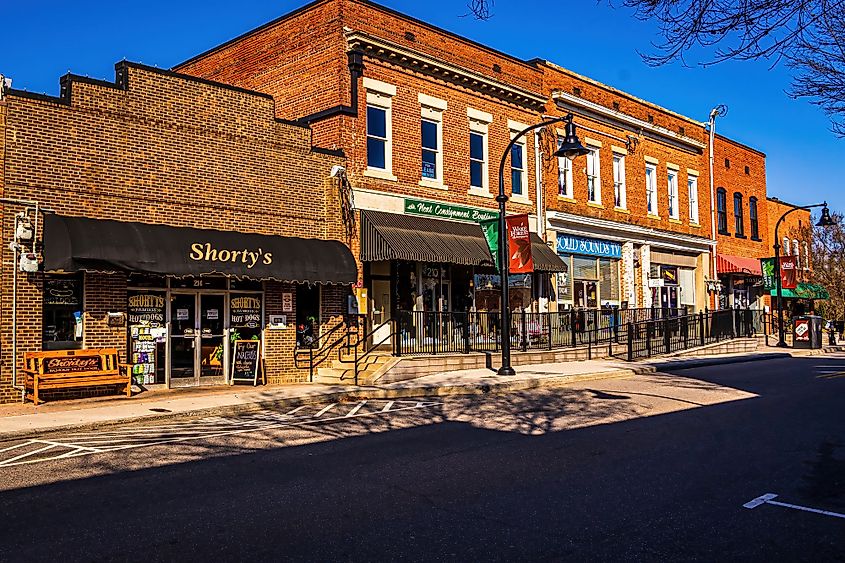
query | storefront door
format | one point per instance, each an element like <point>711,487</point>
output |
<point>197,339</point>
<point>586,293</point>
<point>381,311</point>
<point>666,297</point>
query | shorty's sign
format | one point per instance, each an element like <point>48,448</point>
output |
<point>446,211</point>
<point>571,244</point>
<point>72,364</point>
<point>245,311</point>
<point>146,309</point>
<point>250,257</point>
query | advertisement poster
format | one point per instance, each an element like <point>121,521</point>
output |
<point>767,266</point>
<point>802,330</point>
<point>788,272</point>
<point>519,245</point>
<point>490,228</point>
<point>245,311</point>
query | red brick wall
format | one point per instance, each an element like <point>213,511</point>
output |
<point>165,150</point>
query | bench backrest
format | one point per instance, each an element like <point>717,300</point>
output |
<point>54,362</point>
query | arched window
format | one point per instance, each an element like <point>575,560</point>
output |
<point>797,250</point>
<point>722,211</point>
<point>752,218</point>
<point>739,227</point>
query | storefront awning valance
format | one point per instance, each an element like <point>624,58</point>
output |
<point>804,291</point>
<point>76,243</point>
<point>393,236</point>
<point>727,264</point>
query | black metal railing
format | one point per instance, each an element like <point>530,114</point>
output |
<point>649,331</point>
<point>330,343</point>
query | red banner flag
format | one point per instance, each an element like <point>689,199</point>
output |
<point>519,245</point>
<point>788,272</point>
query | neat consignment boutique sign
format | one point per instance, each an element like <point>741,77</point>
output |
<point>446,211</point>
<point>571,244</point>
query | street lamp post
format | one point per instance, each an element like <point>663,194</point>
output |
<point>570,148</point>
<point>824,221</point>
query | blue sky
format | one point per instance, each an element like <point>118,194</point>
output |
<point>43,40</point>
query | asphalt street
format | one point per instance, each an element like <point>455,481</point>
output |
<point>649,468</point>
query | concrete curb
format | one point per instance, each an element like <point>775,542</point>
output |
<point>399,392</point>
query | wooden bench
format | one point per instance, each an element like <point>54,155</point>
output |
<point>62,369</point>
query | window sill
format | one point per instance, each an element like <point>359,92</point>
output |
<point>480,192</point>
<point>695,225</point>
<point>426,183</point>
<point>520,199</point>
<point>380,174</point>
<point>594,204</point>
<point>566,199</point>
<point>655,217</point>
<point>740,236</point>
<point>724,233</point>
<point>675,221</point>
<point>756,239</point>
<point>621,210</point>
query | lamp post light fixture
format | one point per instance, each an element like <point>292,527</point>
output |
<point>571,147</point>
<point>824,221</point>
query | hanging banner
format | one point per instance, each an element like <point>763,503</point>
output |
<point>519,245</point>
<point>490,228</point>
<point>767,266</point>
<point>788,272</point>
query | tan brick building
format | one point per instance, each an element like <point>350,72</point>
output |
<point>156,174</point>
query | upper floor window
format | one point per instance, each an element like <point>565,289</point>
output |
<point>692,188</point>
<point>593,180</point>
<point>739,227</point>
<point>378,141</point>
<point>477,160</point>
<point>722,211</point>
<point>431,120</point>
<point>379,126</point>
<point>786,246</point>
<point>797,253</point>
<point>564,174</point>
<point>518,180</point>
<point>752,218</point>
<point>672,183</point>
<point>806,255</point>
<point>620,199</point>
<point>651,188</point>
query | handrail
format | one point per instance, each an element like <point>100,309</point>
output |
<point>369,349</point>
<point>323,352</point>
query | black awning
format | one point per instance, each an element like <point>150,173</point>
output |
<point>391,236</point>
<point>545,259</point>
<point>76,243</point>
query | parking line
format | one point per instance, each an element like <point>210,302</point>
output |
<point>387,406</point>
<point>356,409</point>
<point>324,410</point>
<point>768,499</point>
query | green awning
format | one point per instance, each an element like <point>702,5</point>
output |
<point>804,291</point>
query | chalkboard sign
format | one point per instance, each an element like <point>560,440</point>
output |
<point>245,360</point>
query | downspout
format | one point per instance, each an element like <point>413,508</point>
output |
<point>355,63</point>
<point>718,110</point>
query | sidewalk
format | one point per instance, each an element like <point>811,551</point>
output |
<point>20,421</point>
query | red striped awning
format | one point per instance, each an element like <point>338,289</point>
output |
<point>727,264</point>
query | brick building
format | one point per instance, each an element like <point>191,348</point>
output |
<point>794,235</point>
<point>123,183</point>
<point>742,218</point>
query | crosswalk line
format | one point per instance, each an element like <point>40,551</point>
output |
<point>356,409</point>
<point>324,410</point>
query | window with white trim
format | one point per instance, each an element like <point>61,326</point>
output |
<point>672,190</point>
<point>478,160</point>
<point>431,138</point>
<point>564,174</point>
<point>651,189</point>
<point>518,173</point>
<point>797,253</point>
<point>620,200</point>
<point>692,188</point>
<point>593,179</point>
<point>379,125</point>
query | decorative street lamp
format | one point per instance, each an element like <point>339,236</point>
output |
<point>570,148</point>
<point>824,221</point>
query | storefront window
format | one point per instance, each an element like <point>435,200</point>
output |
<point>609,278</point>
<point>307,314</point>
<point>488,291</point>
<point>62,328</point>
<point>564,280</point>
<point>146,312</point>
<point>245,316</point>
<point>585,268</point>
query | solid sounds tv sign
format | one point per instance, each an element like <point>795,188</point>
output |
<point>570,244</point>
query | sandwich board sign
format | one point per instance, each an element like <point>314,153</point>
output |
<point>245,360</point>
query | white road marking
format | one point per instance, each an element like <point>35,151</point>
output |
<point>324,410</point>
<point>355,409</point>
<point>133,438</point>
<point>768,499</point>
<point>297,409</point>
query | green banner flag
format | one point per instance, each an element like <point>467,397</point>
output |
<point>767,265</point>
<point>490,227</point>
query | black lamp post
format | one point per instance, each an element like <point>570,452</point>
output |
<point>570,148</point>
<point>824,221</point>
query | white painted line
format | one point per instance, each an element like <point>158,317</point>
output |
<point>27,454</point>
<point>356,409</point>
<point>767,499</point>
<point>387,406</point>
<point>324,410</point>
<point>297,409</point>
<point>27,443</point>
<point>63,445</point>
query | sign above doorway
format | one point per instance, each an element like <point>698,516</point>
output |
<point>447,211</point>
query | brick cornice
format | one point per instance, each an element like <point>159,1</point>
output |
<point>384,50</point>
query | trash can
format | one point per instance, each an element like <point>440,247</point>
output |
<point>807,332</point>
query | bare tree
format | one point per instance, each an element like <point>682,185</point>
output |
<point>806,35</point>
<point>828,263</point>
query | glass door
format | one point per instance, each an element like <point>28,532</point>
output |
<point>183,332</point>
<point>212,342</point>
